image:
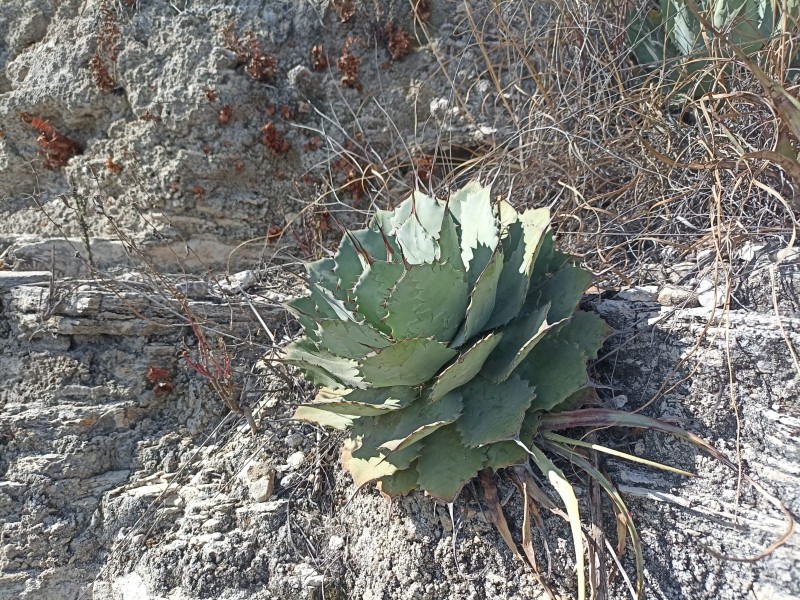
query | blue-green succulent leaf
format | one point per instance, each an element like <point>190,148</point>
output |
<point>472,208</point>
<point>481,301</point>
<point>550,367</point>
<point>563,290</point>
<point>417,223</point>
<point>449,244</point>
<point>349,339</point>
<point>428,301</point>
<point>322,367</point>
<point>322,417</point>
<point>369,464</point>
<point>321,272</point>
<point>400,482</point>
<point>372,292</point>
<point>445,464</point>
<point>407,363</point>
<point>520,337</point>
<point>504,454</point>
<point>465,367</point>
<point>587,331</point>
<point>364,403</point>
<point>493,412</point>
<point>521,247</point>
<point>347,270</point>
<point>392,432</point>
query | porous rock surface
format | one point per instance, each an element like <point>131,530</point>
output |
<point>110,490</point>
<point>159,162</point>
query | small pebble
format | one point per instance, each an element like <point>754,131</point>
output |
<point>295,460</point>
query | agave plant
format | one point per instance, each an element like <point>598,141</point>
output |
<point>674,32</point>
<point>446,341</point>
<point>439,336</point>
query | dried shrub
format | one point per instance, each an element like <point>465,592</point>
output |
<point>113,167</point>
<point>313,144</point>
<point>101,75</point>
<point>211,94</point>
<point>56,148</point>
<point>350,173</point>
<point>345,9</point>
<point>398,42</point>
<point>104,61</point>
<point>225,114</point>
<point>422,10</point>
<point>249,52</point>
<point>423,168</point>
<point>149,115</point>
<point>349,64</point>
<point>273,139</point>
<point>319,60</point>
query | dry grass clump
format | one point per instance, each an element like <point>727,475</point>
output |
<point>639,179</point>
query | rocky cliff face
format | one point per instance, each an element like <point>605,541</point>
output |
<point>219,122</point>
<point>123,475</point>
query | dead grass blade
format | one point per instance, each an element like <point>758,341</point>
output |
<point>496,512</point>
<point>564,489</point>
<point>601,417</point>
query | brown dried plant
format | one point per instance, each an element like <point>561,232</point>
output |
<point>250,52</point>
<point>225,114</point>
<point>349,64</point>
<point>56,148</point>
<point>398,42</point>
<point>104,60</point>
<point>319,60</point>
<point>345,9</point>
<point>273,139</point>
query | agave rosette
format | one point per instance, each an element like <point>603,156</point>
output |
<point>439,336</point>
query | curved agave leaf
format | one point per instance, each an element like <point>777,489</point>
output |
<point>347,270</point>
<point>504,454</point>
<point>400,482</point>
<point>321,272</point>
<point>428,300</point>
<point>521,246</point>
<point>408,362</point>
<point>550,368</point>
<point>416,224</point>
<point>322,367</point>
<point>364,403</point>
<point>372,291</point>
<point>348,338</point>
<point>322,417</point>
<point>493,412</point>
<point>481,300</point>
<point>472,208</point>
<point>445,464</point>
<point>449,244</point>
<point>564,489</point>
<point>465,367</point>
<point>519,338</point>
<point>366,466</point>
<point>587,331</point>
<point>396,431</point>
<point>681,26</point>
<point>563,290</point>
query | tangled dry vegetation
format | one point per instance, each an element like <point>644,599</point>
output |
<point>639,179</point>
